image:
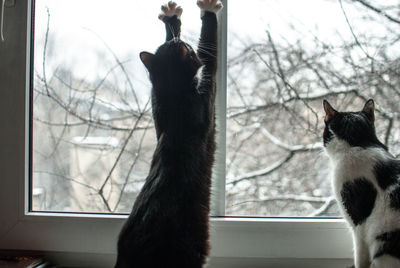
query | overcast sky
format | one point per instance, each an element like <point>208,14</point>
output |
<point>129,27</point>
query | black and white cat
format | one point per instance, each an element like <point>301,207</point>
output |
<point>169,223</point>
<point>366,183</point>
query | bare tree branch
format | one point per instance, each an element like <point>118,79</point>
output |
<point>101,193</point>
<point>329,202</point>
<point>261,172</point>
<point>288,197</point>
<point>291,148</point>
<point>377,10</point>
<point>352,32</point>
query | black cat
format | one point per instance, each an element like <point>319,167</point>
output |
<point>169,222</point>
<point>366,183</point>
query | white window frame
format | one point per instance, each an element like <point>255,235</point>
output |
<point>90,239</point>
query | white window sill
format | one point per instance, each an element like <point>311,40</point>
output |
<point>241,241</point>
<point>107,261</point>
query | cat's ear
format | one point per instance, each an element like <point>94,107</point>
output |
<point>369,110</point>
<point>147,59</point>
<point>329,111</point>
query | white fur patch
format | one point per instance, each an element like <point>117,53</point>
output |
<point>348,164</point>
<point>385,262</point>
<point>169,10</point>
<point>199,76</point>
<point>209,5</point>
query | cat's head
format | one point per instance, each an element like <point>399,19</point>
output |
<point>355,129</point>
<point>174,61</point>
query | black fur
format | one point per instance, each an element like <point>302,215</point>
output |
<point>391,244</point>
<point>353,127</point>
<point>328,135</point>
<point>395,198</point>
<point>168,225</point>
<point>387,173</point>
<point>358,197</point>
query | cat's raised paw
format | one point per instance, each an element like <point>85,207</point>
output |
<point>169,10</point>
<point>209,5</point>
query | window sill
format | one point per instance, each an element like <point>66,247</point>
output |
<point>251,239</point>
<point>106,261</point>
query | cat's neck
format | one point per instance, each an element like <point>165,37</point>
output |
<point>340,152</point>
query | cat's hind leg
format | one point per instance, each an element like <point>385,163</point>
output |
<point>361,253</point>
<point>170,15</point>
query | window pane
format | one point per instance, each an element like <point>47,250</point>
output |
<point>284,58</point>
<point>93,135</point>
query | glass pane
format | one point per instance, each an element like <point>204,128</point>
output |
<point>284,58</point>
<point>93,135</point>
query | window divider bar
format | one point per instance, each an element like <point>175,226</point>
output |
<point>218,180</point>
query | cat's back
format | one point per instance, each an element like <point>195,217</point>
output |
<point>386,214</point>
<point>382,227</point>
<point>161,231</point>
<point>350,163</point>
<point>367,183</point>
<point>368,178</point>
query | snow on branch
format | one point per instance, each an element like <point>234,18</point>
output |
<point>261,172</point>
<point>291,148</point>
<point>329,202</point>
<point>288,197</point>
<point>304,97</point>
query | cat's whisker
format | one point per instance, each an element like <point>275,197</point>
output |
<point>172,32</point>
<point>208,46</point>
<point>206,52</point>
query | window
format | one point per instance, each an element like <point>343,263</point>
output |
<point>92,153</point>
<point>279,80</point>
<point>284,58</point>
<point>99,93</point>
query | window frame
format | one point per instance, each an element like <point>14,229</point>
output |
<point>67,237</point>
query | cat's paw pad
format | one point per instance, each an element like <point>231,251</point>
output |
<point>169,10</point>
<point>209,5</point>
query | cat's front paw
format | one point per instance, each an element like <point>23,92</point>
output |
<point>169,10</point>
<point>209,5</point>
